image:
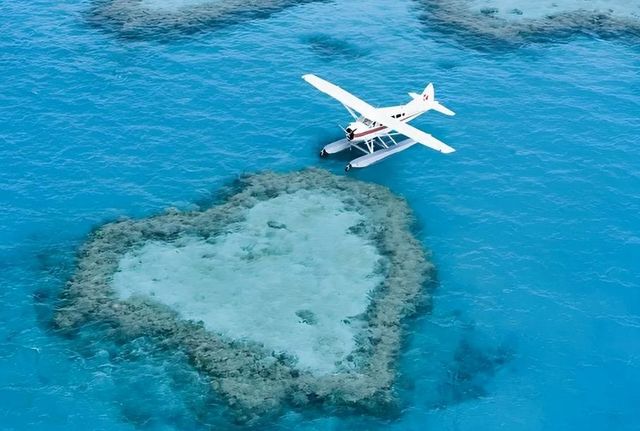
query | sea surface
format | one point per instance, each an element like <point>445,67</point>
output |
<point>534,223</point>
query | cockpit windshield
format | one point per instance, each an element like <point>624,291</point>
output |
<point>365,121</point>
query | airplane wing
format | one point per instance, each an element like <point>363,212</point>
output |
<point>368,111</point>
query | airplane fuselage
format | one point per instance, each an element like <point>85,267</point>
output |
<point>364,129</point>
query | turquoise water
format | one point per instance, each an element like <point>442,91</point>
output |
<point>534,222</point>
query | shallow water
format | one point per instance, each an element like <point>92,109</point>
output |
<point>520,9</point>
<point>533,222</point>
<point>258,280</point>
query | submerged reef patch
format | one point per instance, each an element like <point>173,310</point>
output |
<point>513,22</point>
<point>330,47</point>
<point>472,367</point>
<point>291,292</point>
<point>161,18</point>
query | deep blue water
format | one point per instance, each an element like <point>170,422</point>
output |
<point>534,222</point>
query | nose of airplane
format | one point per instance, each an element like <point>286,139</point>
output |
<point>351,131</point>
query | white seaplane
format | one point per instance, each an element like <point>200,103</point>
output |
<point>374,129</point>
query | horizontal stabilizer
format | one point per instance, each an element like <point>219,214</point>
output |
<point>428,100</point>
<point>437,106</point>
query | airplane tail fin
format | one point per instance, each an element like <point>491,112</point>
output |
<point>429,94</point>
<point>428,98</point>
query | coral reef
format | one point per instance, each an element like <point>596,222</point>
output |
<point>513,22</point>
<point>162,18</point>
<point>130,278</point>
